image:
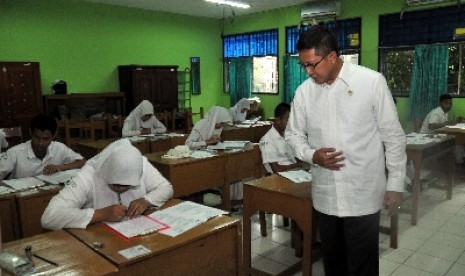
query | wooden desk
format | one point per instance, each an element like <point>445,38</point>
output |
<point>72,256</point>
<point>422,153</point>
<point>30,207</point>
<point>190,175</point>
<point>252,134</point>
<point>9,218</point>
<point>458,133</point>
<point>278,195</point>
<point>212,248</point>
<point>90,148</point>
<point>165,143</point>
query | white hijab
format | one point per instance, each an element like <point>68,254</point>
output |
<point>144,108</point>
<point>206,126</point>
<point>119,163</point>
<point>235,111</point>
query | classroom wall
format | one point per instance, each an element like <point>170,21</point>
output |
<point>83,43</point>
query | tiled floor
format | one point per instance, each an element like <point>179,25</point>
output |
<point>435,246</point>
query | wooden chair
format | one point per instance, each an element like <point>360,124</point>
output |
<point>165,118</point>
<point>189,119</point>
<point>114,125</point>
<point>91,126</point>
<point>73,131</point>
<point>14,135</point>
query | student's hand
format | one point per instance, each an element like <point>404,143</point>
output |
<point>329,158</point>
<point>49,169</point>
<point>392,202</point>
<point>110,213</point>
<point>137,207</point>
<point>146,131</point>
<point>213,140</point>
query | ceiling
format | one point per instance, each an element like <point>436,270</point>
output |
<point>202,8</point>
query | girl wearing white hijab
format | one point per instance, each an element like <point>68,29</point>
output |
<point>208,130</point>
<point>142,121</point>
<point>239,111</point>
<point>116,184</point>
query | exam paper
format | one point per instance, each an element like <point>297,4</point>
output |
<point>25,183</point>
<point>298,176</point>
<point>63,177</point>
<point>140,225</point>
<point>185,216</point>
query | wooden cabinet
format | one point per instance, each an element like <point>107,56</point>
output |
<point>157,84</point>
<point>20,94</point>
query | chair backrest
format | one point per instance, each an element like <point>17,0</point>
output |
<point>189,117</point>
<point>114,125</point>
<point>165,118</point>
<point>14,135</point>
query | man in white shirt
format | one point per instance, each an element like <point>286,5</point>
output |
<point>40,155</point>
<point>277,155</point>
<point>344,123</point>
<point>439,118</point>
<point>116,184</point>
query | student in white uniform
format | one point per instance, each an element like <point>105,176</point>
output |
<point>208,130</point>
<point>239,110</point>
<point>116,184</point>
<point>277,155</point>
<point>142,121</point>
<point>3,141</point>
<point>40,155</point>
<point>438,118</point>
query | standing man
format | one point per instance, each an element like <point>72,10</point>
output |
<point>343,121</point>
<point>40,155</point>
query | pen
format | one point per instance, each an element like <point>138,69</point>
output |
<point>119,199</point>
<point>45,260</point>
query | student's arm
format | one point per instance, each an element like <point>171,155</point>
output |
<point>7,163</point>
<point>158,126</point>
<point>68,159</point>
<point>51,168</point>
<point>129,128</point>
<point>281,168</point>
<point>194,141</point>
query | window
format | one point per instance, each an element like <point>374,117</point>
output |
<point>263,47</point>
<point>396,64</point>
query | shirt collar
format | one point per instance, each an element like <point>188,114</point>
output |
<point>31,154</point>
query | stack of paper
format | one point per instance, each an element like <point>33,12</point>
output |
<point>22,184</point>
<point>141,225</point>
<point>63,177</point>
<point>228,145</point>
<point>185,216</point>
<point>299,176</point>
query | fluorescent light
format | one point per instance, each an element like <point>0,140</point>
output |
<point>230,3</point>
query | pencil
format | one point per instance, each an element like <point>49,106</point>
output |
<point>45,260</point>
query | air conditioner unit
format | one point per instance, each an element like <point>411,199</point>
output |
<point>422,2</point>
<point>316,10</point>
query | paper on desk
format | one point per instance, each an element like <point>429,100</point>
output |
<point>201,154</point>
<point>420,139</point>
<point>461,125</point>
<point>243,126</point>
<point>21,184</point>
<point>63,177</point>
<point>134,251</point>
<point>298,176</point>
<point>140,225</point>
<point>136,138</point>
<point>174,134</point>
<point>5,190</point>
<point>185,216</point>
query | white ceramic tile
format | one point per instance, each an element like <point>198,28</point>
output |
<point>452,228</point>
<point>269,266</point>
<point>405,270</point>
<point>418,232</point>
<point>285,256</point>
<point>458,219</point>
<point>430,264</point>
<point>461,259</point>
<point>264,247</point>
<point>441,251</point>
<point>456,270</point>
<point>449,240</point>
<point>279,235</point>
<point>386,267</point>
<point>410,243</point>
<point>430,223</point>
<point>398,255</point>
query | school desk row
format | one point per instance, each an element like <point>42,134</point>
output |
<point>90,148</point>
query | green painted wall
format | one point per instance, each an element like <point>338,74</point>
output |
<point>83,43</point>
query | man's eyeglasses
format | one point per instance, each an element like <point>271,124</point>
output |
<point>312,66</point>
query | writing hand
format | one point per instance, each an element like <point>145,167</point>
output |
<point>329,158</point>
<point>213,140</point>
<point>110,213</point>
<point>50,169</point>
<point>137,207</point>
<point>145,131</point>
<point>392,202</point>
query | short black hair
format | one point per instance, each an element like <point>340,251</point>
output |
<point>320,39</point>
<point>44,122</point>
<point>444,97</point>
<point>281,110</point>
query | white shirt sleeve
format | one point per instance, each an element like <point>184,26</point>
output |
<point>129,128</point>
<point>64,210</point>
<point>295,133</point>
<point>158,189</point>
<point>7,163</point>
<point>158,126</point>
<point>194,141</point>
